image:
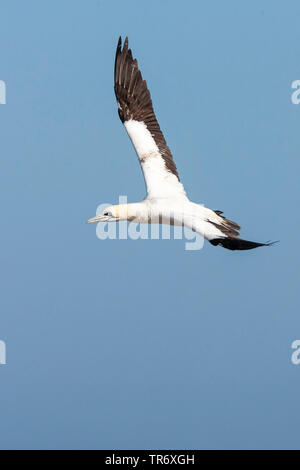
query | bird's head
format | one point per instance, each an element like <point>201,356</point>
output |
<point>110,214</point>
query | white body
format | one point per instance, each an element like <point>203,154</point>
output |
<point>166,200</point>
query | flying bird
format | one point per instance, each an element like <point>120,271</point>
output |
<point>166,200</point>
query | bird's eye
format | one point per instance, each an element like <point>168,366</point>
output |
<point>105,213</point>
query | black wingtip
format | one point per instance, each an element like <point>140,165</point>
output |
<point>118,52</point>
<point>234,243</point>
<point>119,48</point>
<point>125,45</point>
<point>119,45</point>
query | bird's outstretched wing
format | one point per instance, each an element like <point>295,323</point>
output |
<point>136,112</point>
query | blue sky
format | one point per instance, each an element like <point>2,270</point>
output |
<point>141,344</point>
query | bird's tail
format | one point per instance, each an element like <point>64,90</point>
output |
<point>234,243</point>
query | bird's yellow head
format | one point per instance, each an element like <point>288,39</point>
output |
<point>112,214</point>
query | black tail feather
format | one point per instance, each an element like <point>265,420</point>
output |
<point>232,243</point>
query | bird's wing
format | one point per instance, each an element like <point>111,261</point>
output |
<point>137,114</point>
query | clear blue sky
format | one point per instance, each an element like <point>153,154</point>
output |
<point>141,344</point>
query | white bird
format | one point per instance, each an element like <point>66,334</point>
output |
<point>166,201</point>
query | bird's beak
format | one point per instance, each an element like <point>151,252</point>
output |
<point>100,218</point>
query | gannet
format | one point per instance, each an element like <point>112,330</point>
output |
<point>166,201</point>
